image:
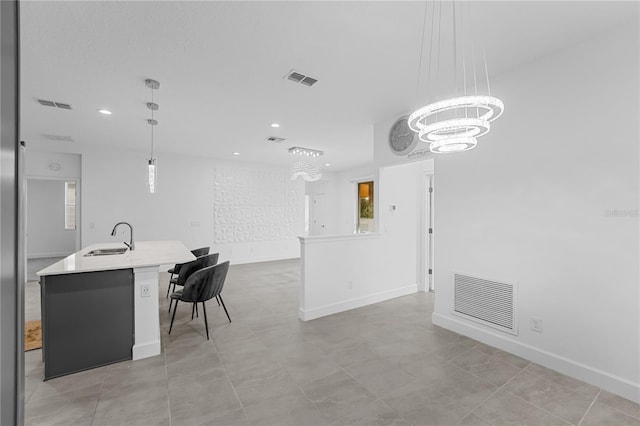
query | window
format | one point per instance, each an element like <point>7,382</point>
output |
<point>70,205</point>
<point>365,207</point>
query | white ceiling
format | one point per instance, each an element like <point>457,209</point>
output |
<point>221,67</point>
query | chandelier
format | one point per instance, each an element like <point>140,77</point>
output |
<point>152,172</point>
<point>306,169</point>
<point>454,124</point>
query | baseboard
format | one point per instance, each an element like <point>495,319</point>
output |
<point>261,259</point>
<point>52,254</point>
<point>358,302</point>
<point>146,350</point>
<point>614,384</point>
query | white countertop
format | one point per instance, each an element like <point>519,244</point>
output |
<point>147,253</point>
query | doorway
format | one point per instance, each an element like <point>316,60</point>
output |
<point>319,215</point>
<point>52,219</point>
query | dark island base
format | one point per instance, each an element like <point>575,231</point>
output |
<point>87,320</point>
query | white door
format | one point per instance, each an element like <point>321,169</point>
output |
<point>319,215</point>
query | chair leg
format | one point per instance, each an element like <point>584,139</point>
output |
<point>173,316</point>
<point>218,300</point>
<point>225,308</point>
<point>193,310</point>
<point>206,323</point>
<point>169,286</point>
<point>197,315</point>
<point>170,303</point>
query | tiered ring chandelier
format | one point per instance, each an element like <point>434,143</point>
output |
<point>454,124</point>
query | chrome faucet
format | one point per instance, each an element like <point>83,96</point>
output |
<point>131,244</point>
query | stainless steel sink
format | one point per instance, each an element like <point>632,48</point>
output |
<point>107,252</point>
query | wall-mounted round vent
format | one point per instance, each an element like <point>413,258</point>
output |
<point>402,140</point>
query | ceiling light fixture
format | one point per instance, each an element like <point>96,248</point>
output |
<point>236,153</point>
<point>307,152</point>
<point>105,111</point>
<point>275,125</point>
<point>305,170</point>
<point>454,124</point>
<point>152,163</point>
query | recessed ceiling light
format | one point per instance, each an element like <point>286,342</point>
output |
<point>236,153</point>
<point>327,164</point>
<point>275,125</point>
<point>105,111</point>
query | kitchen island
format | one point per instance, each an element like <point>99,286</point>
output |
<point>99,308</point>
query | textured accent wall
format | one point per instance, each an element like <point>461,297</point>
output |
<point>253,205</point>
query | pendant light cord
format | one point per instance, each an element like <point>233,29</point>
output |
<point>455,51</point>
<point>152,125</point>
<point>424,26</point>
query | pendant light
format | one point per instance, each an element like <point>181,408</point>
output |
<point>152,171</point>
<point>454,124</point>
<point>306,168</point>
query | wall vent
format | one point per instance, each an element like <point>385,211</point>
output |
<point>53,104</point>
<point>491,303</point>
<point>274,139</point>
<point>297,77</point>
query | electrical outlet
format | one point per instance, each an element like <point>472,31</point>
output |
<point>536,325</point>
<point>145,290</point>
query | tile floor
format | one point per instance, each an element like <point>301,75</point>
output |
<point>384,364</point>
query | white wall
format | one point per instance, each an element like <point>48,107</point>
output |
<point>46,233</point>
<point>533,204</point>
<point>404,187</point>
<point>46,173</point>
<point>41,162</point>
<point>114,189</point>
<point>345,272</point>
<point>348,271</point>
<point>340,191</point>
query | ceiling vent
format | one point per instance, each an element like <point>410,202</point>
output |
<point>46,103</point>
<point>58,138</point>
<point>274,139</point>
<point>297,77</point>
<point>53,104</point>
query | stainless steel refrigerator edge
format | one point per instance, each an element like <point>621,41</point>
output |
<point>11,223</point>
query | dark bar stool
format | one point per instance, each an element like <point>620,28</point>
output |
<point>186,269</point>
<point>202,285</point>
<point>176,269</point>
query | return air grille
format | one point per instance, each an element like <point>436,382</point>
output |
<point>491,303</point>
<point>53,104</point>
<point>297,77</point>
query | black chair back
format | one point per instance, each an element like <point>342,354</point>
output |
<point>200,251</point>
<point>205,283</point>
<point>196,252</point>
<point>187,269</point>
